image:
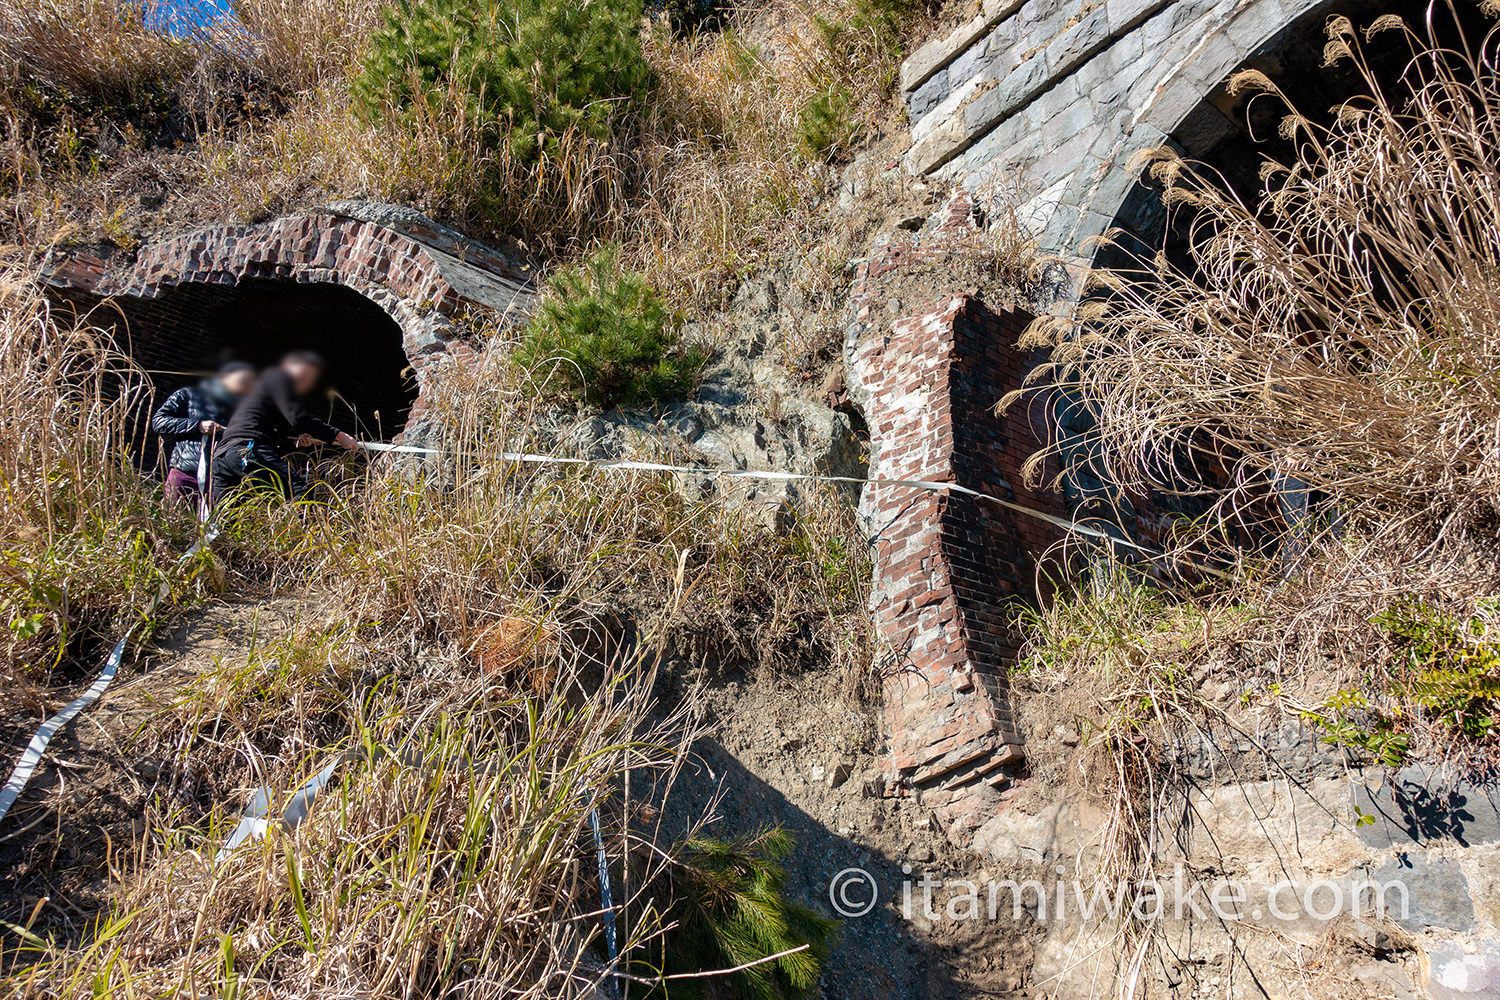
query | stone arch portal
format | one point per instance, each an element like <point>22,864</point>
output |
<point>1042,104</point>
<point>379,290</point>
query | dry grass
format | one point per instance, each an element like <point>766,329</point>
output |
<point>1326,347</point>
<point>1331,342</point>
<point>706,183</point>
<point>101,48</point>
<point>453,854</point>
<point>480,645</point>
<point>1339,332</point>
<point>86,539</point>
<point>478,541</point>
<point>302,45</point>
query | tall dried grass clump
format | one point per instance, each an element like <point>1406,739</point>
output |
<point>113,49</point>
<point>1316,384</point>
<point>91,89</point>
<point>480,652</point>
<point>81,528</point>
<point>300,45</point>
<point>451,853</point>
<point>102,48</point>
<point>1314,381</point>
<point>1338,332</point>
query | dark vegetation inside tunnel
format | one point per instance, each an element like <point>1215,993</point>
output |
<point>1234,134</point>
<point>189,330</point>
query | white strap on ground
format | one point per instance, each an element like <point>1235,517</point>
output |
<point>32,756</point>
<point>257,817</point>
<point>252,824</point>
<point>38,745</point>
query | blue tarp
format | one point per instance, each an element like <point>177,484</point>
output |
<point>186,18</point>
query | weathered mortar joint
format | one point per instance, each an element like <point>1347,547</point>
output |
<point>1046,102</point>
<point>946,564</point>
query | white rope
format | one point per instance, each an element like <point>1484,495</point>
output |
<point>933,486</point>
<point>26,767</point>
<point>257,815</point>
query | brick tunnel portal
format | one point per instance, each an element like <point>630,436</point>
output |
<point>190,329</point>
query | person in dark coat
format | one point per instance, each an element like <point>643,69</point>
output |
<point>268,423</point>
<point>190,419</point>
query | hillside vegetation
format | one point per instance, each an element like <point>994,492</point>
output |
<point>1306,407</point>
<point>699,151</point>
<point>1311,396</point>
<point>478,644</point>
<point>480,647</point>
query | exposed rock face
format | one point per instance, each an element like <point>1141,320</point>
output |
<point>1405,905</point>
<point>750,410</point>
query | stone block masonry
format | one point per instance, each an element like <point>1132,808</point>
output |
<point>1044,102</point>
<point>947,567</point>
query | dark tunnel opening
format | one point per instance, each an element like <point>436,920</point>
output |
<point>189,330</point>
<point>1233,134</point>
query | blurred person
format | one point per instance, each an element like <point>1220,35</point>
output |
<point>268,423</point>
<point>190,420</point>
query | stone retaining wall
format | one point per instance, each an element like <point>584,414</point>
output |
<point>1044,102</point>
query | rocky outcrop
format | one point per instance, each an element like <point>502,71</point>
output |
<point>1390,877</point>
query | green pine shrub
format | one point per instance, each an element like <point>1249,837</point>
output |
<point>532,71</point>
<point>730,909</point>
<point>860,53</point>
<point>870,34</point>
<point>827,122</point>
<point>603,337</point>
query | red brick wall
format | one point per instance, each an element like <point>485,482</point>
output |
<point>948,565</point>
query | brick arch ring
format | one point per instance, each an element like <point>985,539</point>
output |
<point>427,278</point>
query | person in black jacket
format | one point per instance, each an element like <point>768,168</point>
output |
<point>268,423</point>
<point>189,420</point>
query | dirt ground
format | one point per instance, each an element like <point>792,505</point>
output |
<point>787,750</point>
<point>96,790</point>
<point>790,751</point>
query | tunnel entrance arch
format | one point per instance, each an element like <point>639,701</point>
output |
<point>379,290</point>
<point>1232,134</point>
<point>190,330</point>
<point>1036,107</point>
<point>1039,106</point>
